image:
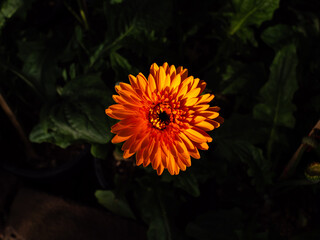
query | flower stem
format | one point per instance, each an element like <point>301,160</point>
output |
<point>30,153</point>
<point>288,170</point>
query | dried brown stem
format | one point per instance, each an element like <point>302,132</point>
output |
<point>296,156</point>
<point>30,153</point>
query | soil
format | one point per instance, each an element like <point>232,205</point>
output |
<point>36,199</point>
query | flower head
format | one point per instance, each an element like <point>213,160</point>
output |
<point>163,119</point>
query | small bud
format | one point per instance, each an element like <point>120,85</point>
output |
<point>310,142</point>
<point>312,172</point>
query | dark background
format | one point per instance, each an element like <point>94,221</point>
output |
<point>60,60</point>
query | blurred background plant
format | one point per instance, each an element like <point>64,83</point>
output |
<point>60,60</point>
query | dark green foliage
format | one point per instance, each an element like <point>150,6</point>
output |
<point>204,225</point>
<point>277,93</point>
<point>8,8</point>
<point>77,116</point>
<point>108,199</point>
<point>248,13</point>
<point>60,61</point>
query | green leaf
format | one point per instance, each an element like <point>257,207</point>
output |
<point>240,78</point>
<point>276,105</point>
<point>78,116</point>
<point>119,61</point>
<point>89,87</point>
<point>42,133</point>
<point>82,120</point>
<point>99,151</point>
<point>108,46</point>
<point>118,206</point>
<point>258,168</point>
<point>157,204</point>
<point>184,181</point>
<point>277,36</point>
<point>251,12</point>
<point>40,66</point>
<point>8,9</point>
<point>71,122</point>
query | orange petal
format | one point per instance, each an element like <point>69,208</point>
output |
<point>171,164</point>
<point>175,82</point>
<point>165,66</point>
<point>167,82</point>
<point>160,78</point>
<point>182,149</point>
<point>172,71</point>
<point>202,85</point>
<point>184,74</point>
<point>193,93</point>
<point>136,145</point>
<point>118,139</point>
<point>201,107</point>
<point>142,82</point>
<point>157,159</point>
<point>146,162</point>
<point>165,160</point>
<point>202,146</point>
<point>126,104</point>
<point>181,165</point>
<point>188,81</point>
<point>127,144</point>
<point>127,132</point>
<point>139,157</point>
<point>116,107</point>
<point>126,87</point>
<point>195,135</point>
<point>198,119</point>
<point>133,81</point>
<point>182,91</point>
<point>219,119</point>
<point>213,122</point>
<point>152,83</point>
<point>160,170</point>
<point>176,169</point>
<point>186,161</point>
<point>203,133</point>
<point>179,69</point>
<point>150,148</point>
<point>209,114</point>
<point>206,98</point>
<point>195,154</point>
<point>127,154</point>
<point>155,149</point>
<point>119,114</point>
<point>195,84</point>
<point>190,101</point>
<point>173,150</point>
<point>204,125</point>
<point>130,96</point>
<point>154,69</point>
<point>186,141</point>
<point>120,125</point>
<point>145,142</point>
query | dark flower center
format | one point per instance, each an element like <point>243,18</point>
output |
<point>164,117</point>
<point>160,116</point>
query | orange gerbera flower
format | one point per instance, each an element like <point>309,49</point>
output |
<point>163,120</point>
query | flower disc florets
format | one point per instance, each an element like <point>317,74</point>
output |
<point>163,119</point>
